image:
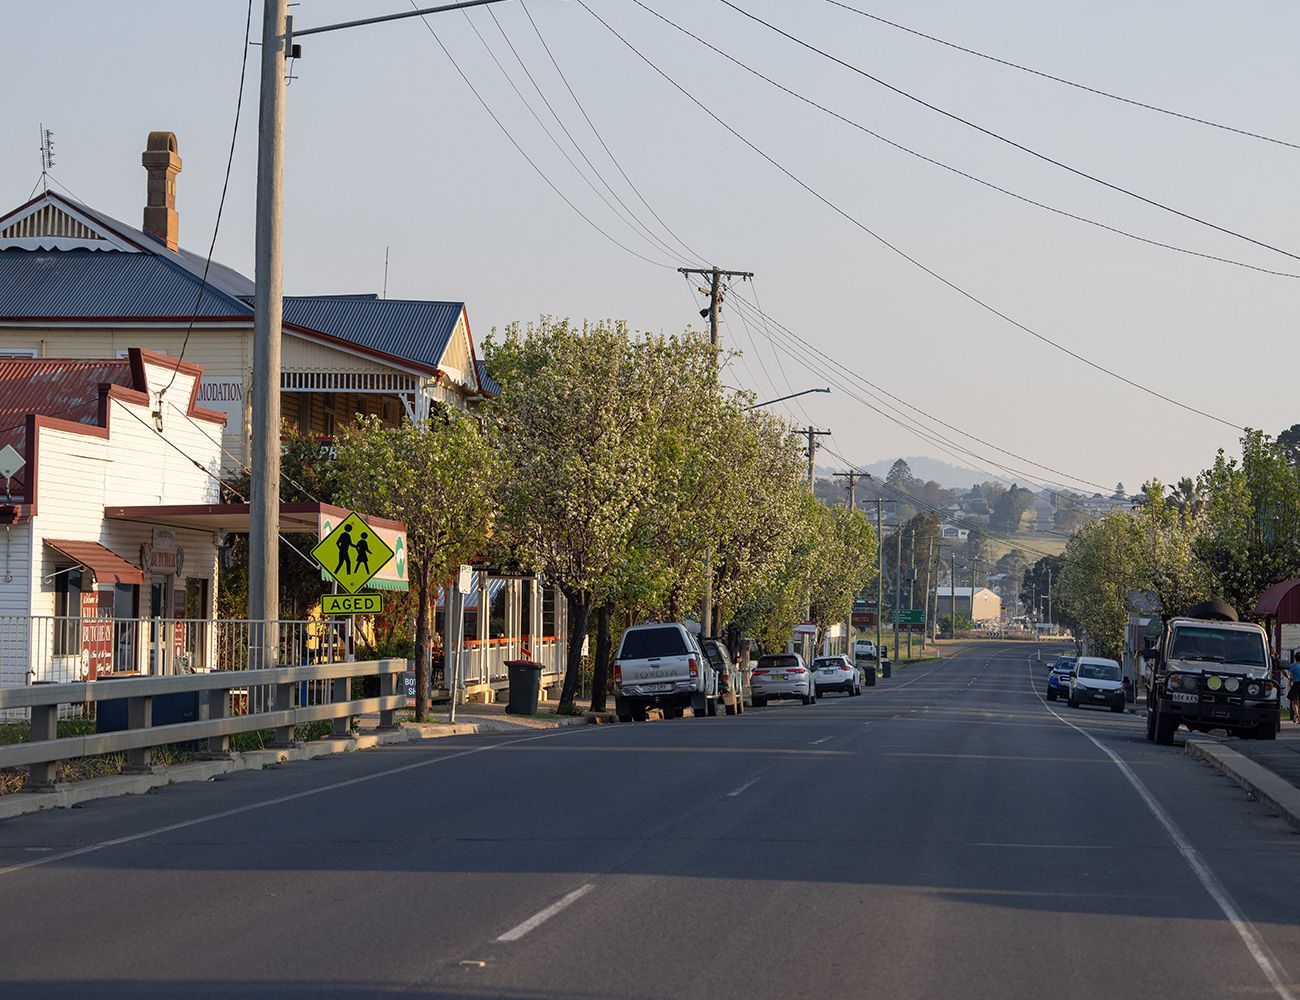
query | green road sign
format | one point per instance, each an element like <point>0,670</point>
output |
<point>352,553</point>
<point>914,617</point>
<point>352,604</point>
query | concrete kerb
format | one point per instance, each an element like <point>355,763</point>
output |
<point>1278,794</point>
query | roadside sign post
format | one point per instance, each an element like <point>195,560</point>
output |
<point>351,554</point>
<point>464,580</point>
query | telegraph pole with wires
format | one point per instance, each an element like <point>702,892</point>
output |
<point>716,293</point>
<point>812,434</point>
<point>852,476</point>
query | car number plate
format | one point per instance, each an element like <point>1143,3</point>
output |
<point>657,687</point>
<point>1183,696</point>
<point>778,677</point>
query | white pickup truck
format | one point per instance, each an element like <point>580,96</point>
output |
<point>662,666</point>
<point>1210,671</point>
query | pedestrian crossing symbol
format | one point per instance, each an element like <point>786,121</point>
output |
<point>352,553</point>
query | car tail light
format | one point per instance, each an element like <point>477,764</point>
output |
<point>694,667</point>
<point>846,667</point>
<point>618,673</point>
<point>757,670</point>
<point>795,670</point>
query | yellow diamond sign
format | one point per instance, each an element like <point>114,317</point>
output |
<point>352,553</point>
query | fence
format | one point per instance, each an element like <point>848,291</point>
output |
<point>221,711</point>
<point>483,662</point>
<point>51,650</point>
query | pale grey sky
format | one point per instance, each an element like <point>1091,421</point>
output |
<point>387,147</point>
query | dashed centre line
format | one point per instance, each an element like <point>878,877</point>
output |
<point>541,916</point>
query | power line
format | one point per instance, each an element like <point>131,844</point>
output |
<point>957,170</point>
<point>933,438</point>
<point>520,149</point>
<point>1004,139</point>
<point>221,204</point>
<point>915,262</point>
<point>630,219</point>
<point>1062,80</point>
<point>946,445</point>
<point>912,406</point>
<point>604,145</point>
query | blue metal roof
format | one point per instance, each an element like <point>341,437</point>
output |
<point>485,380</point>
<point>76,283</point>
<point>160,282</point>
<point>416,330</point>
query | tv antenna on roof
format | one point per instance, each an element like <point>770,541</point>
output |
<point>47,155</point>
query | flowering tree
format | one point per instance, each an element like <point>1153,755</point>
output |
<point>438,477</point>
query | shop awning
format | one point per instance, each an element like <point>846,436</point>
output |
<point>105,566</point>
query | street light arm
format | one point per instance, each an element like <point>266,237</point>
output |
<point>781,399</point>
<point>392,17</point>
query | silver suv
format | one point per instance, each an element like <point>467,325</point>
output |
<point>662,666</point>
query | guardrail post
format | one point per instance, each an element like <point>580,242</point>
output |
<point>139,715</point>
<point>282,701</point>
<point>45,726</point>
<point>341,691</point>
<point>214,706</point>
<point>387,686</point>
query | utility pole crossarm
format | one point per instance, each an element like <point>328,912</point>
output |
<point>715,276</point>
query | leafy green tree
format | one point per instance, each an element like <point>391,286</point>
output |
<point>577,420</point>
<point>1249,535</point>
<point>1010,508</point>
<point>439,477</point>
<point>1289,442</point>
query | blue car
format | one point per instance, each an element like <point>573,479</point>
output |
<point>1058,681</point>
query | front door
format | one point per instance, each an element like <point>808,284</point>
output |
<point>160,595</point>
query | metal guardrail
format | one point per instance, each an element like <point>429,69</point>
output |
<point>217,722</point>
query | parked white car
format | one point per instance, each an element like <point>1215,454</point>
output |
<point>864,649</point>
<point>662,666</point>
<point>836,673</point>
<point>1097,681</point>
<point>781,675</point>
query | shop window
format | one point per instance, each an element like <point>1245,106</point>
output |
<point>497,609</point>
<point>548,612</point>
<point>67,612</point>
<point>196,598</point>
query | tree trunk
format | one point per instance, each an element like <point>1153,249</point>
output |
<point>604,654</point>
<point>579,615</point>
<point>422,643</point>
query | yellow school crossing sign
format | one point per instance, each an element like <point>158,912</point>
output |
<point>352,553</point>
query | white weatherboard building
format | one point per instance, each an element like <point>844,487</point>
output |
<point>84,433</point>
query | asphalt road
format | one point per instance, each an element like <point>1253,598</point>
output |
<point>947,834</point>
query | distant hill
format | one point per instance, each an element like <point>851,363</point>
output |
<point>943,473</point>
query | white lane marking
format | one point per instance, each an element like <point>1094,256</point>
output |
<point>736,791</point>
<point>541,916</point>
<point>1259,950</point>
<point>132,838</point>
<point>814,743</point>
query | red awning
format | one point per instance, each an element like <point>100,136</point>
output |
<point>106,567</point>
<point>1269,601</point>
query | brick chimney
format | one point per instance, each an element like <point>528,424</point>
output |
<point>162,163</point>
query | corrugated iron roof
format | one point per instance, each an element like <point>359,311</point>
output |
<point>413,329</point>
<point>157,282</point>
<point>485,380</point>
<point>72,283</point>
<point>52,387</point>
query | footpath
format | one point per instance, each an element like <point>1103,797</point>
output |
<point>1268,769</point>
